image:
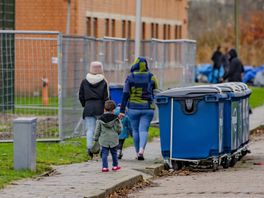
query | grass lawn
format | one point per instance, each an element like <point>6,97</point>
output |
<point>257,97</point>
<point>53,101</point>
<point>48,154</point>
<point>34,106</point>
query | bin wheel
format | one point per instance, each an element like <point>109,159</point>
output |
<point>233,161</point>
<point>215,166</point>
<point>225,163</point>
<point>240,156</point>
<point>176,165</point>
<point>244,153</point>
<point>166,166</point>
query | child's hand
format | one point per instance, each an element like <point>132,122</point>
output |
<point>121,115</point>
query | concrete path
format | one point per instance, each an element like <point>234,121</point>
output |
<point>256,118</point>
<point>244,180</point>
<point>87,180</point>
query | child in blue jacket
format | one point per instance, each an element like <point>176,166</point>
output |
<point>125,132</point>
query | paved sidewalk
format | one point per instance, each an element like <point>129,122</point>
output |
<point>87,180</point>
<point>256,118</point>
<point>244,180</point>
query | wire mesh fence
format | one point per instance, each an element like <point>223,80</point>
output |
<point>29,81</point>
<point>172,61</point>
<point>40,74</point>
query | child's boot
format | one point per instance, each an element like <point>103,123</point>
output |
<point>120,155</point>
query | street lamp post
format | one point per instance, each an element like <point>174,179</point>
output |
<point>138,28</point>
<point>237,26</point>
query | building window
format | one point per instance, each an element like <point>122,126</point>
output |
<point>169,32</point>
<point>95,27</point>
<point>106,27</point>
<point>157,30</point>
<point>143,31</point>
<point>152,30</point>
<point>176,32</point>
<point>89,26</point>
<point>164,31</point>
<point>113,27</point>
<point>123,29</point>
<point>180,31</point>
<point>129,30</point>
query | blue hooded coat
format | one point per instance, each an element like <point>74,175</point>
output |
<point>139,86</point>
<point>126,126</point>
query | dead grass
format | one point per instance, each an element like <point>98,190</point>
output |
<point>257,132</point>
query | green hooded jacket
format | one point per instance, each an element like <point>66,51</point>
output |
<point>107,129</point>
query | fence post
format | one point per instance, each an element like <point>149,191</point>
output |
<point>60,88</point>
<point>25,143</point>
<point>183,51</point>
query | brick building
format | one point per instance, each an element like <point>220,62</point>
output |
<point>163,19</point>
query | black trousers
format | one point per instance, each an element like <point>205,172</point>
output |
<point>120,145</point>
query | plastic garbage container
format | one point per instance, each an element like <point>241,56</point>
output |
<point>231,116</point>
<point>116,92</point>
<point>240,116</point>
<point>245,113</point>
<point>191,125</point>
<point>235,122</point>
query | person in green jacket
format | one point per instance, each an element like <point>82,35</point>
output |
<point>107,129</point>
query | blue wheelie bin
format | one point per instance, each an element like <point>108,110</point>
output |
<point>236,122</point>
<point>246,129</point>
<point>191,125</point>
<point>240,116</point>
<point>116,92</point>
<point>232,122</point>
<point>245,113</point>
<point>231,116</point>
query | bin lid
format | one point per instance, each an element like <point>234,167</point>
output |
<point>239,88</point>
<point>215,86</point>
<point>234,92</point>
<point>231,88</point>
<point>212,86</point>
<point>228,87</point>
<point>188,92</point>
<point>116,85</point>
<point>244,87</point>
<point>221,89</point>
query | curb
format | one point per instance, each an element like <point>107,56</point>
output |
<point>256,128</point>
<point>127,183</point>
<point>153,170</point>
<point>150,170</point>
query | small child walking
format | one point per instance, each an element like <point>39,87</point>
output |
<point>125,132</point>
<point>107,129</point>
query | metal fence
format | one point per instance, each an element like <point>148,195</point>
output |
<point>36,66</point>
<point>28,68</point>
<point>172,61</point>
